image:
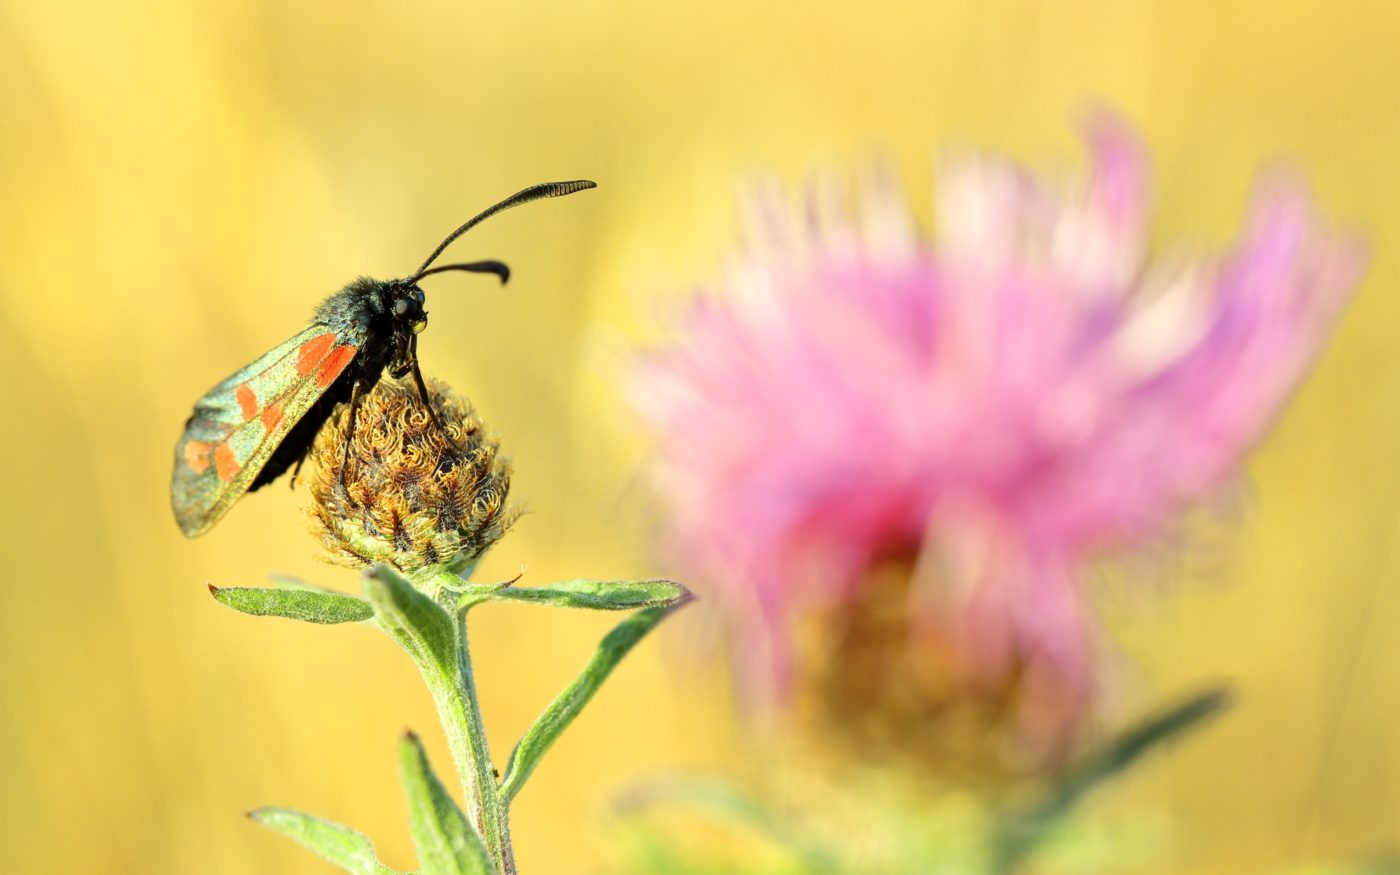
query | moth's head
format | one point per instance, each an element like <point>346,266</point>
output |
<point>403,301</point>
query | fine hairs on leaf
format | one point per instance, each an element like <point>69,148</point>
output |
<point>1023,831</point>
<point>337,844</point>
<point>307,605</point>
<point>597,595</point>
<point>419,624</point>
<point>446,843</point>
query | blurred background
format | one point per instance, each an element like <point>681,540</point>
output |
<point>181,182</point>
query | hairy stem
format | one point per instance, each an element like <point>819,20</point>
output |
<point>460,713</point>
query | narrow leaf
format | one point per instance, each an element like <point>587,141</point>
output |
<point>307,605</point>
<point>446,843</point>
<point>419,624</point>
<point>562,711</point>
<point>340,845</point>
<point>600,595</point>
<point>1025,830</point>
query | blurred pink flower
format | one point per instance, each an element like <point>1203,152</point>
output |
<point>1007,399</point>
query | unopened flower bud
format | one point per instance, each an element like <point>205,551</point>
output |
<point>413,493</point>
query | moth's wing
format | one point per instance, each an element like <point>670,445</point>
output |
<point>239,423</point>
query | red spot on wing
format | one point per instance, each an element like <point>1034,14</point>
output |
<point>272,415</point>
<point>334,364</point>
<point>313,351</point>
<point>225,463</point>
<point>247,401</point>
<point>197,456</point>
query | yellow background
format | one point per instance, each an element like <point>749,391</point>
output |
<point>180,182</point>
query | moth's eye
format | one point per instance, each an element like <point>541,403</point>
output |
<point>417,295</point>
<point>401,307</point>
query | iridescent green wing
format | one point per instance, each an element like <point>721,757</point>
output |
<point>239,423</point>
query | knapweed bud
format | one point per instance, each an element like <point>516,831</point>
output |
<point>412,494</point>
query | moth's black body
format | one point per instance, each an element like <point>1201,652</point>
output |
<point>249,429</point>
<point>389,313</point>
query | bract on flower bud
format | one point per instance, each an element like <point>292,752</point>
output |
<point>412,494</point>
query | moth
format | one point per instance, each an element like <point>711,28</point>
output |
<point>249,429</point>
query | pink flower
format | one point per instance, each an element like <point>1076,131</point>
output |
<point>1006,400</point>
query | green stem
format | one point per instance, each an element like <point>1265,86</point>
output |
<point>460,712</point>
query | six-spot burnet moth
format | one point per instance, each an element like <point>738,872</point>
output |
<point>248,430</point>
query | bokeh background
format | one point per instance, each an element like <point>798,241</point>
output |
<point>180,182</point>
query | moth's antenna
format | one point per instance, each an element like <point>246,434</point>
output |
<point>489,266</point>
<point>533,193</point>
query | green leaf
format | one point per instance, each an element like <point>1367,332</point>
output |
<point>562,711</point>
<point>1024,831</point>
<point>419,624</point>
<point>307,605</point>
<point>446,843</point>
<point>599,595</point>
<point>340,845</point>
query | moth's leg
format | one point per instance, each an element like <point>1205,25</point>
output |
<point>422,386</point>
<point>349,431</point>
<point>296,469</point>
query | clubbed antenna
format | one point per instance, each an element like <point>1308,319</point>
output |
<point>533,193</point>
<point>490,266</point>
